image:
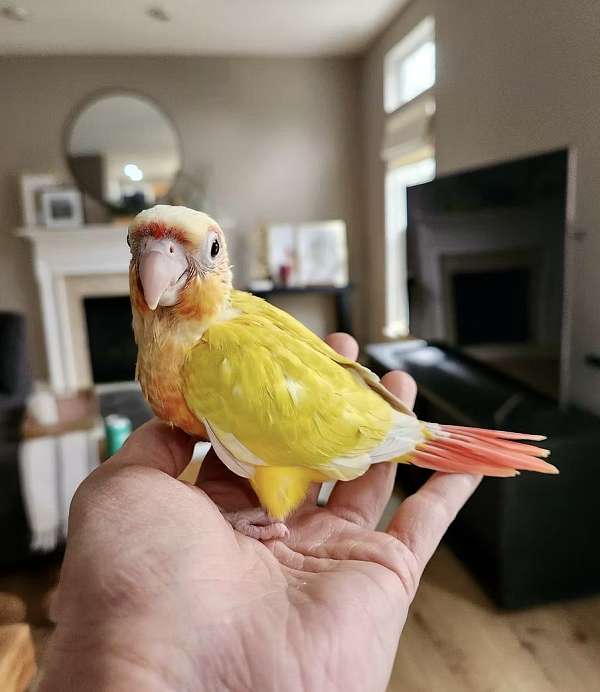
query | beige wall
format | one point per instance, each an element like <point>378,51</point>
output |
<point>276,138</point>
<point>513,78</point>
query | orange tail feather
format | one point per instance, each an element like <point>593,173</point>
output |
<point>458,449</point>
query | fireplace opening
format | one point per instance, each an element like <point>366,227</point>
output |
<point>112,347</point>
<point>492,307</point>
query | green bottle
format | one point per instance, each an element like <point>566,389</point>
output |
<point>118,429</point>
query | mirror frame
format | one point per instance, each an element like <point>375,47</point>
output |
<point>87,101</point>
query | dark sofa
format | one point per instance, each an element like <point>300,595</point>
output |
<point>14,387</point>
<point>532,539</point>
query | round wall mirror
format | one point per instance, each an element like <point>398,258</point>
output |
<point>123,151</point>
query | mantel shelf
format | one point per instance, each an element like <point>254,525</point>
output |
<point>35,233</point>
<point>88,231</point>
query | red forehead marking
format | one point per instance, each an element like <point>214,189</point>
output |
<point>160,230</point>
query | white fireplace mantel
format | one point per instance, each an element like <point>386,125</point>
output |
<point>59,255</point>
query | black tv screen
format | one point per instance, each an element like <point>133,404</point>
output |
<point>485,260</point>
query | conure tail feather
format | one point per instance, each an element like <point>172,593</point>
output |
<point>458,449</point>
<point>280,407</point>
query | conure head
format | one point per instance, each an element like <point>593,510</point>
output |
<point>179,262</point>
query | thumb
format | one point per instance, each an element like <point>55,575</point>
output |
<point>157,445</point>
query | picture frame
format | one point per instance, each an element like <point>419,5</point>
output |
<point>61,207</point>
<point>31,186</point>
<point>322,254</point>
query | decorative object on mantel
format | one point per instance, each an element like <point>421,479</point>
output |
<point>281,253</point>
<point>61,207</point>
<point>322,254</point>
<point>123,150</point>
<point>307,254</point>
<point>31,185</point>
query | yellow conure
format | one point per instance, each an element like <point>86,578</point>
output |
<point>280,407</point>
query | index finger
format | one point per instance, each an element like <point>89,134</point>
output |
<point>423,518</point>
<point>344,344</point>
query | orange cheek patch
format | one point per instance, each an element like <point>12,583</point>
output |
<point>202,298</point>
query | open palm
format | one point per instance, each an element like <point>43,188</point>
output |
<point>159,592</point>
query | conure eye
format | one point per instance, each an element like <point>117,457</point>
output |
<point>214,248</point>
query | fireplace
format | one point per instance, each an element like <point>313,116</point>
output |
<point>495,307</point>
<point>491,297</point>
<point>492,307</point>
<point>112,347</point>
<point>486,258</point>
<point>71,266</point>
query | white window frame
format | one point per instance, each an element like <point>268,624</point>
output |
<point>420,38</point>
<point>408,150</point>
<point>397,179</point>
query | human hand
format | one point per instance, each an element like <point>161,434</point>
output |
<point>159,592</point>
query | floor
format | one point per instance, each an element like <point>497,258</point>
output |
<point>454,640</point>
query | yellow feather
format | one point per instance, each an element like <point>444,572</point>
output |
<point>280,489</point>
<point>280,391</point>
<point>287,402</point>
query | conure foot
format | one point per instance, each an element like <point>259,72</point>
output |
<point>256,523</point>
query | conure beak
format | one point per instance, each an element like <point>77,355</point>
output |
<point>162,269</point>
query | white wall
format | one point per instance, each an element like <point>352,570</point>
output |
<point>513,78</point>
<point>275,138</point>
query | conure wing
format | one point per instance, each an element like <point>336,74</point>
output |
<point>251,305</point>
<point>274,396</point>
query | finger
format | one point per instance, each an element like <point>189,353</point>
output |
<point>362,501</point>
<point>423,518</point>
<point>344,344</point>
<point>402,385</point>
<point>155,444</point>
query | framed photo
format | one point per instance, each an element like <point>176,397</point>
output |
<point>61,207</point>
<point>322,254</point>
<point>31,186</point>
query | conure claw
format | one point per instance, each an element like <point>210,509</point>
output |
<point>256,523</point>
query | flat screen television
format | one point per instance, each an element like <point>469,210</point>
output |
<point>485,261</point>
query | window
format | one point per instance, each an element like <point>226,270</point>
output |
<point>408,149</point>
<point>409,67</point>
<point>396,181</point>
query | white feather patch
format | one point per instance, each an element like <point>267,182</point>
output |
<point>233,464</point>
<point>404,435</point>
<point>294,388</point>
<point>232,452</point>
<point>347,468</point>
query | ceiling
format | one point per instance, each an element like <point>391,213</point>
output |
<point>196,27</point>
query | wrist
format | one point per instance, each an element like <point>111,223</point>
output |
<point>118,657</point>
